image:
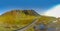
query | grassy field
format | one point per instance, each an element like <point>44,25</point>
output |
<point>43,19</point>
<point>17,19</point>
<point>9,23</point>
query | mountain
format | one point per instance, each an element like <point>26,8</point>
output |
<point>15,19</point>
<point>26,12</point>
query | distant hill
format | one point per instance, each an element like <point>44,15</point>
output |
<point>17,18</point>
<point>20,12</point>
<point>18,15</point>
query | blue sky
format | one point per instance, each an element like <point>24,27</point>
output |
<point>38,5</point>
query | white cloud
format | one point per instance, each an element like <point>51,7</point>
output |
<point>54,11</point>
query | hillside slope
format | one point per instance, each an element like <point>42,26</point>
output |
<point>17,18</point>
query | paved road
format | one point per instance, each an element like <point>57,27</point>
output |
<point>25,28</point>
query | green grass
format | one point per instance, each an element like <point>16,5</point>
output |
<point>10,23</point>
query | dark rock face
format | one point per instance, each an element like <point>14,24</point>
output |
<point>31,12</point>
<point>26,12</point>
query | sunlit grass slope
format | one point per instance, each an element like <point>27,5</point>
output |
<point>46,19</point>
<point>16,19</point>
<point>43,19</point>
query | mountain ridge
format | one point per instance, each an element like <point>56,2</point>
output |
<point>26,12</point>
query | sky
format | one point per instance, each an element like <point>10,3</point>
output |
<point>38,5</point>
